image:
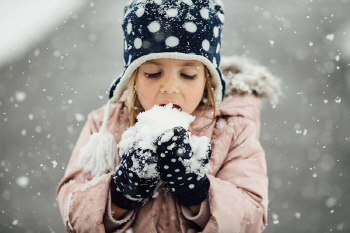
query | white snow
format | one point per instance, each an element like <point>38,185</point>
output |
<point>24,132</point>
<point>151,124</point>
<point>156,122</point>
<point>199,149</point>
<point>95,181</point>
<point>69,204</point>
<point>54,163</point>
<point>330,37</point>
<point>275,218</point>
<point>337,58</point>
<point>20,96</point>
<point>79,117</point>
<point>330,202</point>
<point>22,181</point>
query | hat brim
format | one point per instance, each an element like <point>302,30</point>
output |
<point>124,79</point>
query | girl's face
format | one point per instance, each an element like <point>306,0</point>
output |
<point>165,80</point>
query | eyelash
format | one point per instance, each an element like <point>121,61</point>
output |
<point>155,75</point>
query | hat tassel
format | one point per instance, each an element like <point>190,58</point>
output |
<point>100,154</point>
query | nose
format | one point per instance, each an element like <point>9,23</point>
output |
<point>170,85</point>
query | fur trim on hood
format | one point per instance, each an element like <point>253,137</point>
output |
<point>244,76</point>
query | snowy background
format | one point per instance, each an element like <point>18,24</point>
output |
<point>57,59</point>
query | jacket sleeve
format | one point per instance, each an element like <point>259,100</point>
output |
<point>238,191</point>
<point>83,201</point>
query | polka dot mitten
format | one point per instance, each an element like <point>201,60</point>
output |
<point>136,178</point>
<point>183,164</point>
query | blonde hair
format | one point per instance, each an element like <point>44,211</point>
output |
<point>134,106</point>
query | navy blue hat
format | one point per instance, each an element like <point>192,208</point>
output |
<point>179,29</point>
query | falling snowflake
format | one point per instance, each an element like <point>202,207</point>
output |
<point>330,37</point>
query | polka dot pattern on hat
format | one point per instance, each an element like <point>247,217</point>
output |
<point>154,27</point>
<point>172,12</point>
<point>206,45</point>
<point>172,41</point>
<point>184,27</point>
<point>204,13</point>
<point>190,27</point>
<point>138,43</point>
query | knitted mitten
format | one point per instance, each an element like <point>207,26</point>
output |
<point>183,168</point>
<point>136,178</point>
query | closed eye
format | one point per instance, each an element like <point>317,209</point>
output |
<point>188,76</point>
<point>154,75</point>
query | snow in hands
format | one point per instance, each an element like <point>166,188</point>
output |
<point>151,124</point>
<point>157,124</point>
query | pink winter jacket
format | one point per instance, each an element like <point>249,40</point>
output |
<point>237,200</point>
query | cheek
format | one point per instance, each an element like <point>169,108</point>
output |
<point>195,92</point>
<point>197,89</point>
<point>145,95</point>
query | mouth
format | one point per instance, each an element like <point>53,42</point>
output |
<point>174,103</point>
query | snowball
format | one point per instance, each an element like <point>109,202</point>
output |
<point>154,27</point>
<point>172,41</point>
<point>204,13</point>
<point>190,27</point>
<point>172,12</point>
<point>150,125</point>
<point>153,123</point>
<point>206,45</point>
<point>138,43</point>
<point>22,181</point>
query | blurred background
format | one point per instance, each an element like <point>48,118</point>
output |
<point>58,58</point>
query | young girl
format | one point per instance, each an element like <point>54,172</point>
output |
<point>173,150</point>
